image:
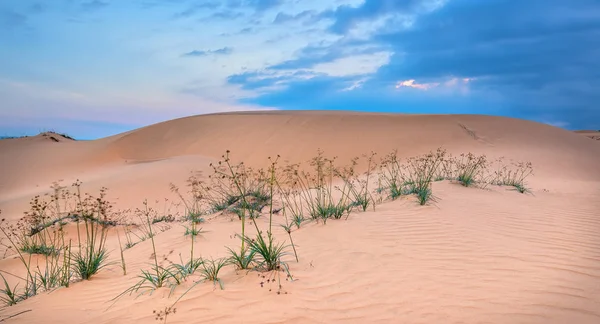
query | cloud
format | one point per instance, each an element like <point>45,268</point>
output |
<point>37,8</point>
<point>534,59</point>
<point>195,8</point>
<point>226,14</point>
<point>258,5</point>
<point>229,8</point>
<point>346,17</point>
<point>10,19</point>
<point>309,16</point>
<point>530,59</point>
<point>452,83</point>
<point>413,84</point>
<point>43,106</point>
<point>93,5</point>
<point>560,124</point>
<point>220,51</point>
<point>320,53</point>
<point>538,55</point>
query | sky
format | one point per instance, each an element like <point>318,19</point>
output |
<point>94,68</point>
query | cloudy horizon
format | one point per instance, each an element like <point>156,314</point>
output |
<point>94,68</point>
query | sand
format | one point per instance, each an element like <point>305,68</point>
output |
<point>595,135</point>
<point>474,256</point>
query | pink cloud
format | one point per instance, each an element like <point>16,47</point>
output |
<point>413,84</point>
<point>452,83</point>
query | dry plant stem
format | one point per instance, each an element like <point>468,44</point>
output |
<point>236,181</point>
<point>30,279</point>
<point>152,238</point>
<point>122,254</point>
<point>271,185</point>
<point>288,229</point>
<point>369,170</point>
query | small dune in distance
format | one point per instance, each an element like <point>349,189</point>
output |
<point>303,217</point>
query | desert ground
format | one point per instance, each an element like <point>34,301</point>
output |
<point>486,245</point>
<point>595,135</point>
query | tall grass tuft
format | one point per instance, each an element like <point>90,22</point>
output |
<point>357,185</point>
<point>158,276</point>
<point>209,270</point>
<point>471,168</point>
<point>319,196</point>
<point>42,231</point>
<point>513,175</point>
<point>92,254</point>
<point>391,176</point>
<point>421,172</point>
<point>237,177</point>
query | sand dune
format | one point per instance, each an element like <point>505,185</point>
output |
<point>595,135</point>
<point>475,256</point>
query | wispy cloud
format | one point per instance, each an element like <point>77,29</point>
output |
<point>10,19</point>
<point>259,5</point>
<point>93,5</point>
<point>308,16</point>
<point>196,8</point>
<point>452,83</point>
<point>220,51</point>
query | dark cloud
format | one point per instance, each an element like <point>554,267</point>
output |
<point>220,51</point>
<point>539,55</point>
<point>530,59</point>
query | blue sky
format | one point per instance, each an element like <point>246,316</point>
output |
<point>94,68</point>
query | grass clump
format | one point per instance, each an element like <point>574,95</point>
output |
<point>42,231</point>
<point>358,184</point>
<point>470,169</point>
<point>9,295</point>
<point>391,176</point>
<point>414,177</point>
<point>268,253</point>
<point>237,180</point>
<point>237,188</point>
<point>261,253</point>
<point>209,270</point>
<point>514,175</point>
<point>318,195</point>
<point>92,254</point>
<point>158,276</point>
<point>421,172</point>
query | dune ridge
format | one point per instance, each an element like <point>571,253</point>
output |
<point>474,255</point>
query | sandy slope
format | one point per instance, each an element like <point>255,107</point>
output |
<point>595,135</point>
<point>477,256</point>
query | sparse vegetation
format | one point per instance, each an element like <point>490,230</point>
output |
<point>210,268</point>
<point>421,171</point>
<point>470,169</point>
<point>163,314</point>
<point>159,276</point>
<point>513,175</point>
<point>321,191</point>
<point>42,231</point>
